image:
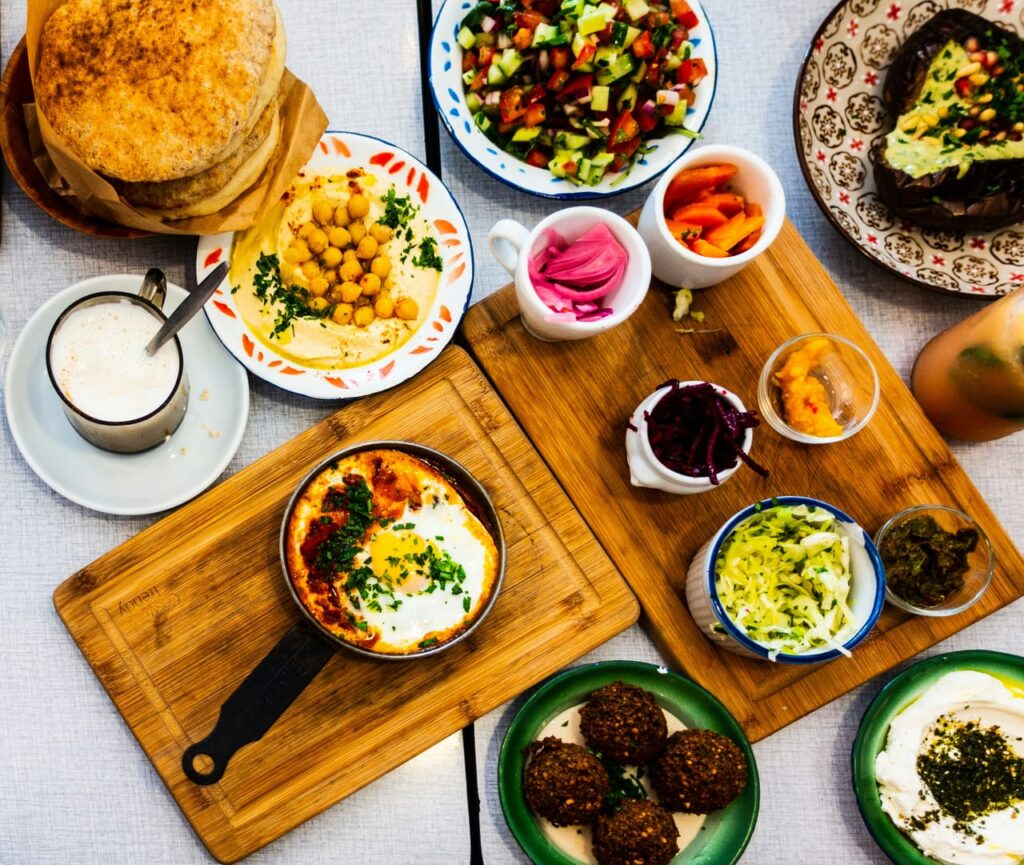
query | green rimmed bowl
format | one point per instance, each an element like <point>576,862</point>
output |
<point>899,693</point>
<point>725,833</point>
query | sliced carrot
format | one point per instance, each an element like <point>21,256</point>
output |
<point>683,231</point>
<point>754,210</point>
<point>700,214</point>
<point>728,235</point>
<point>689,182</point>
<point>752,238</point>
<point>728,202</point>
<point>702,247</point>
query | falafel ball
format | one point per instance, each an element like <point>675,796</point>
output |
<point>623,723</point>
<point>563,782</point>
<point>698,772</point>
<point>641,832</point>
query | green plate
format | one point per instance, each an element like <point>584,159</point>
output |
<point>725,833</point>
<point>899,693</point>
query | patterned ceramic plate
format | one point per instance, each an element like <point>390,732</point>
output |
<point>445,69</point>
<point>337,153</point>
<point>838,115</point>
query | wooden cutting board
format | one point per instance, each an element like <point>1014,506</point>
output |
<point>574,398</point>
<point>172,620</point>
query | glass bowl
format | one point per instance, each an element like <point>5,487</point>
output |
<point>849,379</point>
<point>980,562</point>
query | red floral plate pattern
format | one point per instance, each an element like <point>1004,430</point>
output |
<point>337,152</point>
<point>838,116</point>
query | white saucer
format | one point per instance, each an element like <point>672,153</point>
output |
<point>176,471</point>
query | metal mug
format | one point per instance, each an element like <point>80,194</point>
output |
<point>136,434</point>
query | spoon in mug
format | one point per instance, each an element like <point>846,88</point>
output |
<point>188,307</point>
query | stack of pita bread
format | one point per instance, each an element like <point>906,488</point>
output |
<point>174,101</point>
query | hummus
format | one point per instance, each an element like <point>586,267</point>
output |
<point>301,325</point>
<point>958,706</point>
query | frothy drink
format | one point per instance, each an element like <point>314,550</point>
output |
<point>99,360</point>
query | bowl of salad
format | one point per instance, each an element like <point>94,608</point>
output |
<point>789,579</point>
<point>573,99</point>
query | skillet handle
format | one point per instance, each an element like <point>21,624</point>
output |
<point>258,702</point>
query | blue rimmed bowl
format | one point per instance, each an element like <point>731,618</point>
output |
<point>445,76</point>
<point>867,588</point>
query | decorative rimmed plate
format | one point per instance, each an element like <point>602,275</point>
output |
<point>336,153</point>
<point>445,72</point>
<point>725,833</point>
<point>145,483</point>
<point>897,694</point>
<point>837,117</point>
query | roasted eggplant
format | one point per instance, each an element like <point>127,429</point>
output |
<point>954,158</point>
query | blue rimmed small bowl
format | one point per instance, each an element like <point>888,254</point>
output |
<point>867,588</point>
<point>446,87</point>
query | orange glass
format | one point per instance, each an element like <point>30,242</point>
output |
<point>970,379</point>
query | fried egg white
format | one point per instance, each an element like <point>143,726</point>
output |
<point>426,566</point>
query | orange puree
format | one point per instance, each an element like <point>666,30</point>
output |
<point>804,399</point>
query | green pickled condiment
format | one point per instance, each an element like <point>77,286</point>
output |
<point>925,564</point>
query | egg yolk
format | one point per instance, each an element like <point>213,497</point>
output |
<point>393,560</point>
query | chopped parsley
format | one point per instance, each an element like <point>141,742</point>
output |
<point>428,259</point>
<point>398,210</point>
<point>292,301</point>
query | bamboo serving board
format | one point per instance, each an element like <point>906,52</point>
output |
<point>573,399</point>
<point>172,620</point>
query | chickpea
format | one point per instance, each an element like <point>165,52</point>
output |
<point>358,206</point>
<point>407,309</point>
<point>370,284</point>
<point>311,270</point>
<point>318,304</point>
<point>341,215</point>
<point>389,284</point>
<point>342,313</point>
<point>306,229</point>
<point>363,316</point>
<point>301,252</point>
<point>350,271</point>
<point>317,241</point>
<point>331,276</point>
<point>292,254</point>
<point>384,307</point>
<point>318,286</point>
<point>350,291</point>
<point>357,230</point>
<point>381,266</point>
<point>323,211</point>
<point>380,233</point>
<point>331,256</point>
<point>349,255</point>
<point>367,248</point>
<point>339,237</point>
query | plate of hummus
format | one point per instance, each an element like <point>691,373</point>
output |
<point>350,284</point>
<point>938,762</point>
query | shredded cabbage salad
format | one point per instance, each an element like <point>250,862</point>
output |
<point>783,577</point>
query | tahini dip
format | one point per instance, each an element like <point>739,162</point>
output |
<point>967,724</point>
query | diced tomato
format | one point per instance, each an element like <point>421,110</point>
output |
<point>646,121</point>
<point>964,86</point>
<point>523,38</point>
<point>586,54</point>
<point>537,158</point>
<point>653,74</point>
<point>656,19</point>
<point>682,12</point>
<point>571,168</point>
<point>558,80</point>
<point>528,20</point>
<point>642,46</point>
<point>535,114</point>
<point>478,82</point>
<point>535,94</point>
<point>512,105</point>
<point>687,95</point>
<point>691,71</point>
<point>577,88</point>
<point>468,61</point>
<point>486,56</point>
<point>506,128</point>
<point>560,56</point>
<point>623,131</point>
<point>679,36</point>
<point>604,37</point>
<point>618,163</point>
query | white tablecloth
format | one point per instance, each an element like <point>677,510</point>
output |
<point>74,785</point>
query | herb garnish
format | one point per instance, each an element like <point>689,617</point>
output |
<point>428,258</point>
<point>398,210</point>
<point>293,301</point>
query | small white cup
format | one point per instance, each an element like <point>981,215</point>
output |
<point>676,265</point>
<point>646,470</point>
<point>513,245</point>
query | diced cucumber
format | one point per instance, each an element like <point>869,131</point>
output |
<point>609,12</point>
<point>672,63</point>
<point>620,30</point>
<point>526,133</point>
<point>641,71</point>
<point>482,121</point>
<point>573,7</point>
<point>482,40</point>
<point>510,61</point>
<point>627,99</point>
<point>578,43</point>
<point>583,172</point>
<point>570,141</point>
<point>605,56</point>
<point>603,159</point>
<point>584,67</point>
<point>620,68</point>
<point>593,20</point>
<point>466,38</point>
<point>473,103</point>
<point>678,115</point>
<point>548,34</point>
<point>467,77</point>
<point>494,74</point>
<point>631,34</point>
<point>636,9</point>
<point>561,159</point>
<point>685,50</point>
<point>599,98</point>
